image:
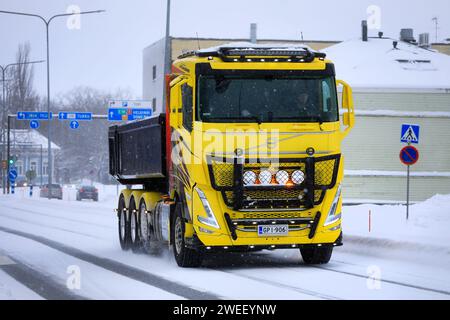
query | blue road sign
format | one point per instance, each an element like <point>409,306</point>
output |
<point>128,114</point>
<point>410,133</point>
<point>74,124</point>
<point>79,116</point>
<point>12,175</point>
<point>26,115</point>
<point>409,155</point>
<point>34,124</point>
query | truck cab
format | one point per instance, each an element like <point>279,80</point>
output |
<point>252,155</point>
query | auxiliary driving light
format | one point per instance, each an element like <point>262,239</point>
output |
<point>249,178</point>
<point>265,177</point>
<point>282,177</point>
<point>298,177</point>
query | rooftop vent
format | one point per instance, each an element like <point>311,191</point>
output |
<point>253,28</point>
<point>407,35</point>
<point>364,30</point>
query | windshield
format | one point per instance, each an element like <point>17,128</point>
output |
<point>266,99</point>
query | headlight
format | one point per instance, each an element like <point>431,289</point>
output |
<point>210,220</point>
<point>249,178</point>
<point>282,177</point>
<point>265,177</point>
<point>332,216</point>
<point>298,177</point>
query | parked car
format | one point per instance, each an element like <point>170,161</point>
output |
<point>56,192</point>
<point>87,192</point>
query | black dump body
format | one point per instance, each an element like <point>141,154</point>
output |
<point>137,153</point>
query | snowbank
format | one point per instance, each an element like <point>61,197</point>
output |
<point>428,225</point>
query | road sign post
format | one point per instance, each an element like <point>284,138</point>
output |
<point>74,124</point>
<point>410,133</point>
<point>34,124</point>
<point>129,110</point>
<point>26,115</point>
<point>12,178</point>
<point>409,155</point>
<point>128,114</point>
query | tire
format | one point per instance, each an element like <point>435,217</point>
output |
<point>316,255</point>
<point>185,257</point>
<point>123,225</point>
<point>135,239</point>
<point>149,242</point>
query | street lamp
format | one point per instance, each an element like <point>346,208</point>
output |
<point>47,24</point>
<point>4,69</point>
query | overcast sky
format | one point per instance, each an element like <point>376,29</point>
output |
<point>106,52</point>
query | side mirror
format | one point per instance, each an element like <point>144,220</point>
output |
<point>348,117</point>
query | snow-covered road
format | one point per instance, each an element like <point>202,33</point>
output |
<point>71,248</point>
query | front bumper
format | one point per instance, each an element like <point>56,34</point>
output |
<point>269,244</point>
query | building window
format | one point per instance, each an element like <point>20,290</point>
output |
<point>19,166</point>
<point>154,72</point>
<point>154,104</point>
<point>44,168</point>
<point>33,166</point>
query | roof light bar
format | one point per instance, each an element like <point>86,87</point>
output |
<point>235,54</point>
<point>265,52</point>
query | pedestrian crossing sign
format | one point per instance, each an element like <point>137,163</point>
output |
<point>410,133</point>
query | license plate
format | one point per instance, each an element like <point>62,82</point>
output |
<point>273,230</point>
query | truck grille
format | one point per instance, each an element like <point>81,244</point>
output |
<point>221,172</point>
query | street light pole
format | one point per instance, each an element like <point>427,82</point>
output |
<point>4,69</point>
<point>47,24</point>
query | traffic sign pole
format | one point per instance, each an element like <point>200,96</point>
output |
<point>409,155</point>
<point>407,192</point>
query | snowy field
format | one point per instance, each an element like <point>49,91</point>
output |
<point>56,240</point>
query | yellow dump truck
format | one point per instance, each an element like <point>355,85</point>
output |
<point>246,157</point>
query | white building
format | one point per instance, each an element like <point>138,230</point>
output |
<point>29,148</point>
<point>395,83</point>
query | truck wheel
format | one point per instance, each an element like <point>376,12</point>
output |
<point>149,242</point>
<point>316,255</point>
<point>124,235</point>
<point>134,228</point>
<point>185,257</point>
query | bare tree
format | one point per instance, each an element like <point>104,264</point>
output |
<point>84,152</point>
<point>20,94</point>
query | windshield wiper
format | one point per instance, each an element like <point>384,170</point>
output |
<point>255,118</point>
<point>312,118</point>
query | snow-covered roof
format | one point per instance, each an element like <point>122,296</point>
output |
<point>376,64</point>
<point>23,136</point>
